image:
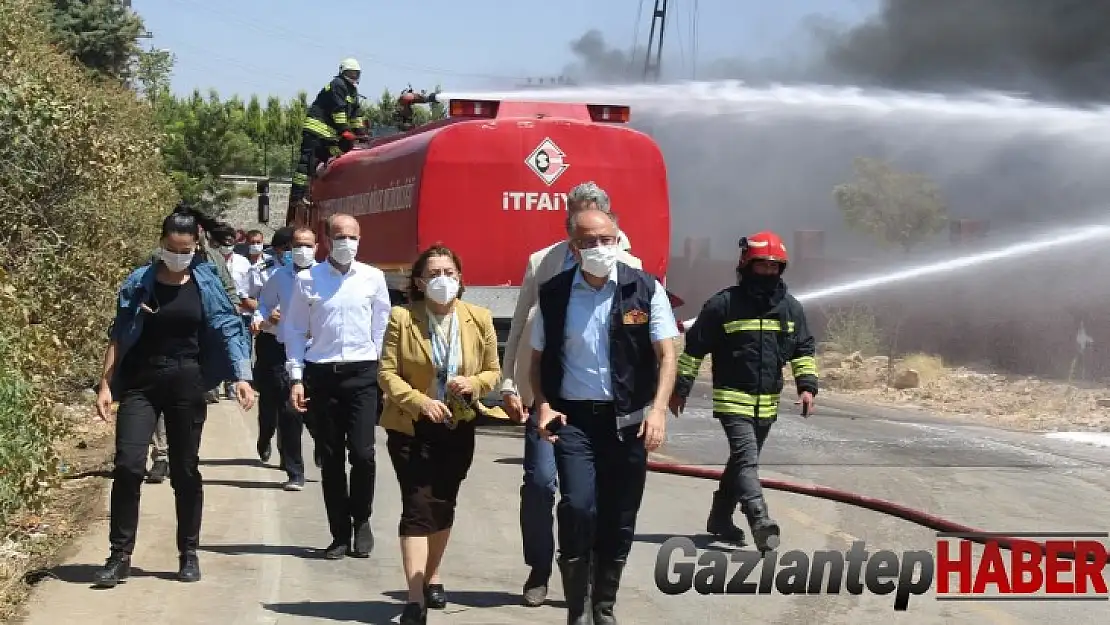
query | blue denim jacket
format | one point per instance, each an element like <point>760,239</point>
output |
<point>225,352</point>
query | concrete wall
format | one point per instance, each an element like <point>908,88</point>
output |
<point>243,212</point>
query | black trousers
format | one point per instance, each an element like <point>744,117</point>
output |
<point>430,466</point>
<point>314,150</point>
<point>275,414</point>
<point>746,435</point>
<point>602,473</point>
<point>343,401</point>
<point>174,389</point>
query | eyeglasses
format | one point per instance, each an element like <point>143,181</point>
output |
<point>589,242</point>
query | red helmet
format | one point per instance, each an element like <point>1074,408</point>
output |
<point>764,245</point>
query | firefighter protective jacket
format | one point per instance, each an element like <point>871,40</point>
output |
<point>751,342</point>
<point>331,113</point>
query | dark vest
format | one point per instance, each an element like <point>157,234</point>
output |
<point>632,361</point>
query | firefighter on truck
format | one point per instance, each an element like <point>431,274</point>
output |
<point>327,131</point>
<point>752,330</point>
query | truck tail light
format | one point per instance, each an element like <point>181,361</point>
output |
<point>474,108</point>
<point>608,113</point>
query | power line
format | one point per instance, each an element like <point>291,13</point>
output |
<point>694,21</point>
<point>635,36</point>
<point>681,48</point>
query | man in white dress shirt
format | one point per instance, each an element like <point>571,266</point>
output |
<point>343,305</point>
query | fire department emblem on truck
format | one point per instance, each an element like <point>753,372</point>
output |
<point>547,161</point>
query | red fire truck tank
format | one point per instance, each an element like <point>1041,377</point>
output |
<point>490,182</point>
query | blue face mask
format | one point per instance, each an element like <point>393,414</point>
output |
<point>287,258</point>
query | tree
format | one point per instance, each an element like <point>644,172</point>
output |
<point>200,146</point>
<point>152,73</point>
<point>101,34</point>
<point>894,207</point>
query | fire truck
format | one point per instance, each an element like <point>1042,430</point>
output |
<point>490,181</point>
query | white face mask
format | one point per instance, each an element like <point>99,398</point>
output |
<point>226,250</point>
<point>304,256</point>
<point>256,248</point>
<point>442,289</point>
<point>599,261</point>
<point>343,250</point>
<point>176,262</point>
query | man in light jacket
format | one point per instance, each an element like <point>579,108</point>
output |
<point>537,494</point>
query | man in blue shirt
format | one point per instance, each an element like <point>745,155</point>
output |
<point>294,250</point>
<point>602,384</point>
<point>537,492</point>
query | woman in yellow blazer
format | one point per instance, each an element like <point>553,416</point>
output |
<point>439,358</point>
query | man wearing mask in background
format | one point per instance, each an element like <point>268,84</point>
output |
<point>752,330</point>
<point>603,367</point>
<point>256,246</point>
<point>269,367</point>
<point>537,494</point>
<point>343,305</point>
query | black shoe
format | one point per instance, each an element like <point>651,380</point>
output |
<point>337,550</point>
<point>764,530</point>
<point>115,570</point>
<point>535,588</point>
<point>576,588</point>
<point>265,450</point>
<point>720,523</point>
<point>435,597</point>
<point>189,569</point>
<point>364,541</point>
<point>414,614</point>
<point>159,471</point>
<point>607,580</point>
<point>294,484</point>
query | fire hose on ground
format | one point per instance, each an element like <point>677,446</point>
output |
<point>881,506</point>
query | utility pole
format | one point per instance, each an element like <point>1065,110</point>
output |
<point>655,46</point>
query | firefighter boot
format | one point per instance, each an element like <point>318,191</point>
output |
<point>764,530</point>
<point>607,580</point>
<point>576,582</point>
<point>720,523</point>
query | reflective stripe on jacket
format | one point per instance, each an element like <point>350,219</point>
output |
<point>750,343</point>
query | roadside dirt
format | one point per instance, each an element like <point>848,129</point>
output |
<point>996,399</point>
<point>33,542</point>
<point>1008,401</point>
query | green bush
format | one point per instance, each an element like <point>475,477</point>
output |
<point>82,194</point>
<point>27,459</point>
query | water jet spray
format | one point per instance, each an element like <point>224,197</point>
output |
<point>1074,236</point>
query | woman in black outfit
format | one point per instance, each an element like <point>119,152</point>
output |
<point>175,334</point>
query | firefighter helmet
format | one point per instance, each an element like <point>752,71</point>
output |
<point>349,65</point>
<point>764,245</point>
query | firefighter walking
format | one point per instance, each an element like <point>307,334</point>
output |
<point>752,330</point>
<point>327,131</point>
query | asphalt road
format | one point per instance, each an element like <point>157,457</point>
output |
<point>262,564</point>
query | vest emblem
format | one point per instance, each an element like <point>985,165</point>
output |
<point>636,317</point>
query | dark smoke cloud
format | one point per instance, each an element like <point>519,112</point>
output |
<point>1056,49</point>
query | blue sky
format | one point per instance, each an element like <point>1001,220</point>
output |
<point>282,46</point>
